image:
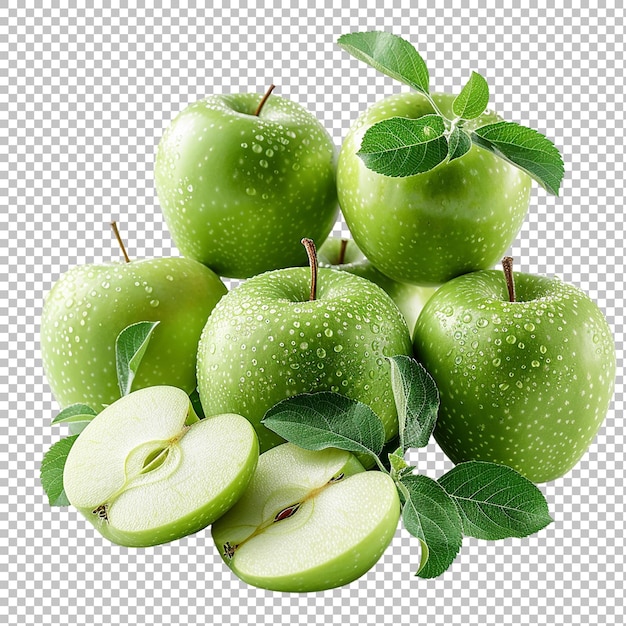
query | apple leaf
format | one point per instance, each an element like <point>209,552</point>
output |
<point>51,471</point>
<point>194,398</point>
<point>390,55</point>
<point>401,146</point>
<point>327,420</point>
<point>495,501</point>
<point>525,148</point>
<point>130,347</point>
<point>459,143</point>
<point>76,416</point>
<point>473,99</point>
<point>417,401</point>
<point>431,516</point>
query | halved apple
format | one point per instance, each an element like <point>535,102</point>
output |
<point>146,471</point>
<point>308,521</point>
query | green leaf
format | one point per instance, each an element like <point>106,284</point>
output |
<point>525,148</point>
<point>473,99</point>
<point>417,401</point>
<point>459,143</point>
<point>130,347</point>
<point>495,501</point>
<point>194,397</point>
<point>327,420</point>
<point>76,416</point>
<point>431,515</point>
<point>51,471</point>
<point>390,55</point>
<point>401,146</point>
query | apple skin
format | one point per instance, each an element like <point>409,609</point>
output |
<point>230,181</point>
<point>428,228</point>
<point>90,305</point>
<point>265,342</point>
<point>526,384</point>
<point>346,519</point>
<point>208,467</point>
<point>410,299</point>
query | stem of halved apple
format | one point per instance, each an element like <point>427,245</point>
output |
<point>312,254</point>
<point>507,266</point>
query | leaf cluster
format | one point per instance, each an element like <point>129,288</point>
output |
<point>401,146</point>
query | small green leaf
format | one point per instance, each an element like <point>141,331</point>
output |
<point>390,55</point>
<point>459,143</point>
<point>51,471</point>
<point>401,146</point>
<point>495,501</point>
<point>417,401</point>
<point>76,416</point>
<point>130,347</point>
<point>194,397</point>
<point>327,420</point>
<point>431,515</point>
<point>397,462</point>
<point>473,99</point>
<point>525,148</point>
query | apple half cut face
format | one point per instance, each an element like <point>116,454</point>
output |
<point>308,521</point>
<point>146,471</point>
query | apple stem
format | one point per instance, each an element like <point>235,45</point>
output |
<point>264,99</point>
<point>507,266</point>
<point>312,254</point>
<point>342,252</point>
<point>119,241</point>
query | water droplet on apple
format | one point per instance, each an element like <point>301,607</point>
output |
<point>154,303</point>
<point>481,322</point>
<point>496,362</point>
<point>304,345</point>
<point>511,339</point>
<point>257,148</point>
<point>467,318</point>
<point>328,332</point>
<point>69,303</point>
<point>251,191</point>
<point>535,363</point>
<point>321,353</point>
<point>338,348</point>
<point>529,326</point>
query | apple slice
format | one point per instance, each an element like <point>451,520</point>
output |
<point>146,471</point>
<point>308,521</point>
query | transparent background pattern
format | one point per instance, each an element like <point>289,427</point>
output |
<point>85,95</point>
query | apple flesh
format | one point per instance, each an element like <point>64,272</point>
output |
<point>308,521</point>
<point>410,299</point>
<point>525,383</point>
<point>428,228</point>
<point>229,181</point>
<point>145,471</point>
<point>90,305</point>
<point>267,341</point>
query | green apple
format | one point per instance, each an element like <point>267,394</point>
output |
<point>428,228</point>
<point>229,180</point>
<point>308,521</point>
<point>90,305</point>
<point>524,383</point>
<point>146,471</point>
<point>342,254</point>
<point>266,341</point>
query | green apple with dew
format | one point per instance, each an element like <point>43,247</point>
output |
<point>308,521</point>
<point>343,254</point>
<point>283,333</point>
<point>90,305</point>
<point>428,228</point>
<point>526,383</point>
<point>146,471</point>
<point>240,172</point>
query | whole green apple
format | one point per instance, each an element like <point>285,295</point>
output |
<point>146,471</point>
<point>524,383</point>
<point>308,521</point>
<point>428,228</point>
<point>229,180</point>
<point>90,305</point>
<point>342,254</point>
<point>267,340</point>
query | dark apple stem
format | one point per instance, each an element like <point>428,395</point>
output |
<point>312,254</point>
<point>264,100</point>
<point>342,252</point>
<point>119,241</point>
<point>507,266</point>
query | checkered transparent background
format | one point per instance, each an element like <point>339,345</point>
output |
<point>84,98</point>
